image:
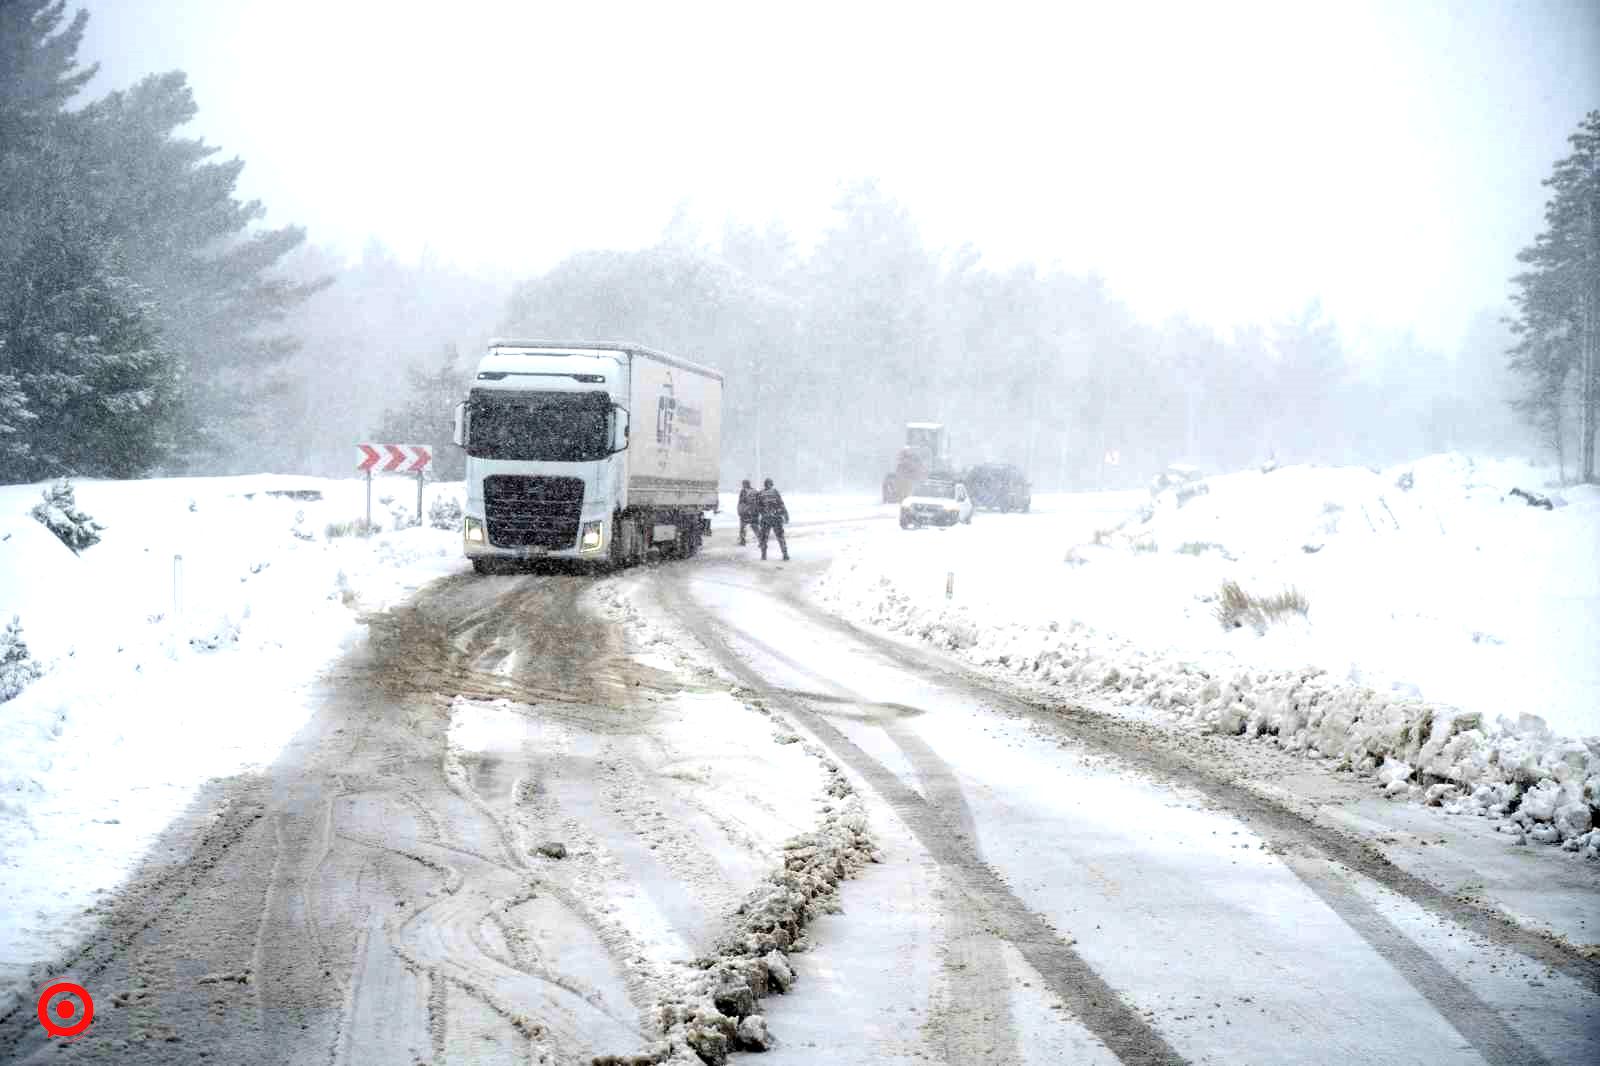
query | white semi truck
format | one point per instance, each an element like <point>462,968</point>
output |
<point>586,451</point>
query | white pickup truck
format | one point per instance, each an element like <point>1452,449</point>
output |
<point>588,451</point>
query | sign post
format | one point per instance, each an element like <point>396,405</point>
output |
<point>402,459</point>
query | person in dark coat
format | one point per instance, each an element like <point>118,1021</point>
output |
<point>771,516</point>
<point>747,508</point>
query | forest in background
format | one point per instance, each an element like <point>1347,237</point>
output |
<point>150,323</point>
<point>828,351</point>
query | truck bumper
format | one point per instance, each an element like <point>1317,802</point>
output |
<point>592,544</point>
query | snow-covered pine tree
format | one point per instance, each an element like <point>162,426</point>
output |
<point>17,666</point>
<point>59,513</point>
<point>138,300</point>
<point>1557,317</point>
<point>38,74</point>
<point>14,416</point>
<point>86,385</point>
<point>211,271</point>
<point>445,513</point>
<point>93,370</point>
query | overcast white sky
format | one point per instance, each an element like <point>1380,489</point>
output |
<point>1227,160</point>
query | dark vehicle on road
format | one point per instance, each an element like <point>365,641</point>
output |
<point>999,487</point>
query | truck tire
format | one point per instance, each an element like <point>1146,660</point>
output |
<point>619,543</point>
<point>627,542</point>
<point>485,566</point>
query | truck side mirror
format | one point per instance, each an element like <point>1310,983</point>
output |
<point>620,441</point>
<point>460,434</point>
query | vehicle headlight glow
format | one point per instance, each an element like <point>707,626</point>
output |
<point>593,534</point>
<point>474,531</point>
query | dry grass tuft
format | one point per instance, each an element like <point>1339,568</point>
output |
<point>356,527</point>
<point>1237,608</point>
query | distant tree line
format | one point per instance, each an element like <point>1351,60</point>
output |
<point>1557,308</point>
<point>829,352</point>
<point>139,311</point>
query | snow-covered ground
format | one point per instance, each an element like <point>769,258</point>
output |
<point>180,648</point>
<point>1451,641</point>
<point>176,650</point>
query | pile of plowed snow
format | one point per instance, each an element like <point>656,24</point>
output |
<point>1447,645</point>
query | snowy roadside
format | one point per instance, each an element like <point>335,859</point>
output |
<point>1447,650</point>
<point>178,649</point>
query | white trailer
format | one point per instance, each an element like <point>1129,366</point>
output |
<point>588,451</point>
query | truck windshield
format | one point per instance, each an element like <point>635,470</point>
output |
<point>552,427</point>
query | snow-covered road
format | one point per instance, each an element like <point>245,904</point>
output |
<point>552,816</point>
<point>1087,890</point>
<point>499,839</point>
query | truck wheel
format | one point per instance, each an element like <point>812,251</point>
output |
<point>617,555</point>
<point>485,566</point>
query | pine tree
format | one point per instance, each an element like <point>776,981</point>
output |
<point>1557,302</point>
<point>212,278</point>
<point>137,306</point>
<point>39,69</point>
<point>38,74</point>
<point>17,665</point>
<point>86,383</point>
<point>97,378</point>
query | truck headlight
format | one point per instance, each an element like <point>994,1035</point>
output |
<point>593,534</point>
<point>474,531</point>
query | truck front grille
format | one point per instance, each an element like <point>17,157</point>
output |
<point>532,511</point>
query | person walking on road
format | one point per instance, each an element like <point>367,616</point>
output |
<point>747,509</point>
<point>771,516</point>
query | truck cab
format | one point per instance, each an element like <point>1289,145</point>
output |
<point>556,468</point>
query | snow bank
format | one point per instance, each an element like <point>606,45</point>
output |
<point>1451,634</point>
<point>178,649</point>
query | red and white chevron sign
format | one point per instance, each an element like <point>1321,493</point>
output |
<point>394,458</point>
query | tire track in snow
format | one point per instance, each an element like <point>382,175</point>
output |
<point>945,832</point>
<point>1477,1022</point>
<point>978,1026</point>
